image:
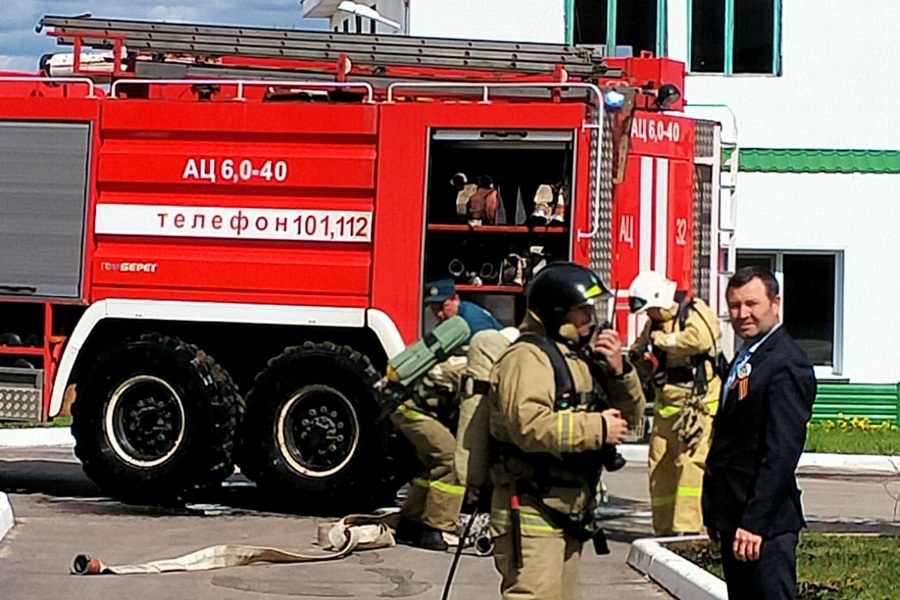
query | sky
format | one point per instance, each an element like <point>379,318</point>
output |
<point>21,47</point>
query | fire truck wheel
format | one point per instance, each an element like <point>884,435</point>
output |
<point>312,431</point>
<point>155,420</point>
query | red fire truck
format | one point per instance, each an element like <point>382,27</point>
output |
<point>277,199</point>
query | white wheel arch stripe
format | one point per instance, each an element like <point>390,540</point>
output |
<point>380,323</point>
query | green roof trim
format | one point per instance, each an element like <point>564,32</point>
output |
<point>789,160</point>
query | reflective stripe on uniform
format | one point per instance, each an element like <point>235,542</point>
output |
<point>529,521</point>
<point>666,411</point>
<point>412,414</point>
<point>447,488</point>
<point>564,431</point>
<point>683,492</point>
<point>671,410</point>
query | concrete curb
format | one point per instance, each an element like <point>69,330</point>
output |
<point>36,436</point>
<point>808,460</point>
<point>679,576</point>
<point>6,516</point>
<point>62,436</point>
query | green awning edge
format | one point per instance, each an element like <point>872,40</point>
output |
<point>791,160</point>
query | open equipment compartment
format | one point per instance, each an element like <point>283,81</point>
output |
<point>491,262</point>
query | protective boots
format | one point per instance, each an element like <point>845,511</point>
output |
<point>412,533</point>
<point>543,199</point>
<point>549,206</point>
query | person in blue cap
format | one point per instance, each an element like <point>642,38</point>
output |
<point>444,302</point>
<point>431,510</point>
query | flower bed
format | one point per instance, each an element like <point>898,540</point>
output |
<point>853,436</point>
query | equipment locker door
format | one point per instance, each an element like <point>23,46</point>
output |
<point>43,198</point>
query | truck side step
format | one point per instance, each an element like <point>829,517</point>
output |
<point>21,394</point>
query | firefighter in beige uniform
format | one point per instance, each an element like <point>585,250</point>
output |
<point>548,456</point>
<point>683,339</point>
<point>431,510</point>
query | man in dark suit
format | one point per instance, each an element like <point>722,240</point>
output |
<point>751,503</point>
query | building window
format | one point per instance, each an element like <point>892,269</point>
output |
<point>811,301</point>
<point>735,36</point>
<point>346,25</point>
<point>626,27</point>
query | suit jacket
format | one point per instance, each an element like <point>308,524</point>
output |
<point>750,480</point>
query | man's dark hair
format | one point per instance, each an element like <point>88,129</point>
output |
<point>745,275</point>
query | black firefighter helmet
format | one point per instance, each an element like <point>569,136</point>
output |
<point>558,288</point>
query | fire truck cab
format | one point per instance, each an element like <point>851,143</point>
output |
<point>277,200</point>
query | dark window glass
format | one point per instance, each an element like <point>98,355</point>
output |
<point>590,22</point>
<point>636,25</point>
<point>754,36</point>
<point>358,24</point>
<point>708,36</point>
<point>766,261</point>
<point>346,25</point>
<point>808,311</point>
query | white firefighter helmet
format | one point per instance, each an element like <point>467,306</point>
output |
<point>650,290</point>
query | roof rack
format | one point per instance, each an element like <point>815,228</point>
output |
<point>185,50</point>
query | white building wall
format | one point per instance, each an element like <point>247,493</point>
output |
<point>839,63</point>
<point>502,20</point>
<point>838,89</point>
<point>855,214</point>
<point>839,84</point>
<point>506,20</point>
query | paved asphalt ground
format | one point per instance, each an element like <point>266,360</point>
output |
<point>59,514</point>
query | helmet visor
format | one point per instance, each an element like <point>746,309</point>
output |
<point>636,304</point>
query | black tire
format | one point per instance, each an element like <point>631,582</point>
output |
<point>313,433</point>
<point>162,385</point>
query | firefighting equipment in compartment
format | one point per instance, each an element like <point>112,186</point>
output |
<point>10,339</point>
<point>650,290</point>
<point>353,532</point>
<point>472,457</point>
<point>481,207</point>
<point>465,190</point>
<point>521,216</point>
<point>488,273</point>
<point>549,206</point>
<point>558,218</point>
<point>513,270</point>
<point>543,199</point>
<point>537,260</point>
<point>435,347</point>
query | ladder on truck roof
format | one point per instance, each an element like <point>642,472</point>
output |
<point>169,50</point>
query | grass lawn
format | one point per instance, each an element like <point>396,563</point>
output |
<point>829,567</point>
<point>56,422</point>
<point>862,439</point>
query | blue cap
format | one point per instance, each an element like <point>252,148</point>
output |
<point>437,292</point>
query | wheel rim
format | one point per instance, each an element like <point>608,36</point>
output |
<point>318,431</point>
<point>145,421</point>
